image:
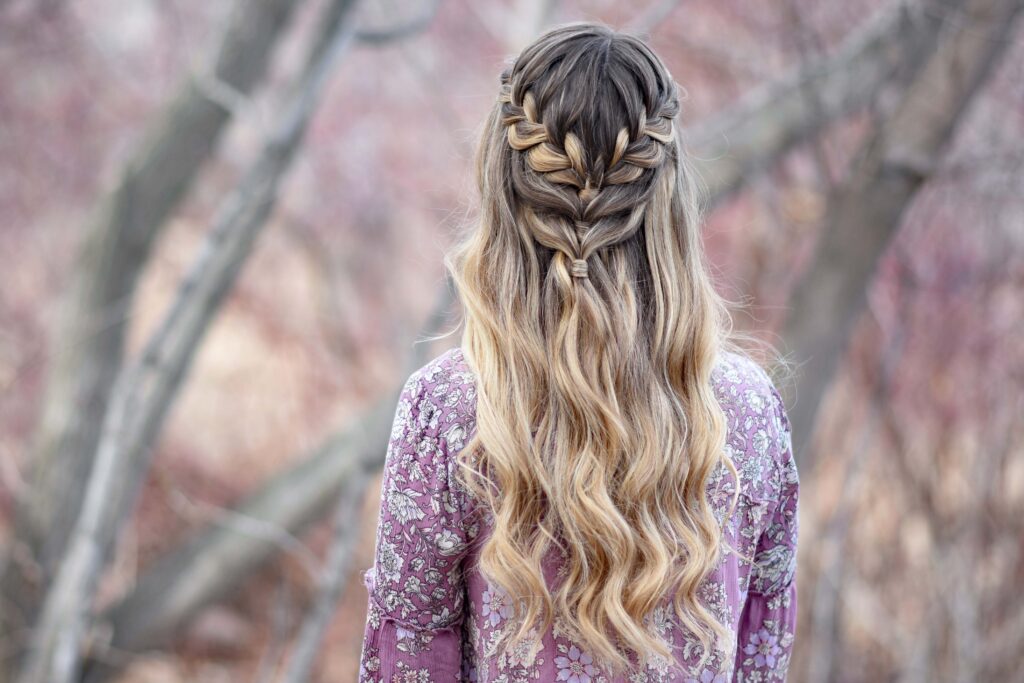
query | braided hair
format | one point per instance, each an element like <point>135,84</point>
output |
<point>592,326</point>
<point>609,195</point>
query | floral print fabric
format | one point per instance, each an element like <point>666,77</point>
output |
<point>432,617</point>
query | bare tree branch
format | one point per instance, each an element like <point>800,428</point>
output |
<point>332,579</point>
<point>281,618</point>
<point>823,662</point>
<point>380,37</point>
<point>901,155</point>
<point>648,20</point>
<point>516,23</point>
<point>732,146</point>
<point>89,348</point>
<point>180,584</point>
<point>144,390</point>
<point>207,567</point>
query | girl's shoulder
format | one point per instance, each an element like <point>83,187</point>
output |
<point>443,392</point>
<point>736,374</point>
<point>758,439</point>
<point>448,369</point>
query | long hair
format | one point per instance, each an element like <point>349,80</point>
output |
<point>592,325</point>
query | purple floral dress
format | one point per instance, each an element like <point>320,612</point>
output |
<point>431,615</point>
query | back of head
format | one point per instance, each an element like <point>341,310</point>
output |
<point>593,327</point>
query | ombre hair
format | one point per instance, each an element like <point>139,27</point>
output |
<point>597,426</point>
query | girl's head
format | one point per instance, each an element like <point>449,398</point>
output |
<point>592,325</point>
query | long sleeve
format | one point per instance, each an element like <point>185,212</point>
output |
<point>415,590</point>
<point>767,624</point>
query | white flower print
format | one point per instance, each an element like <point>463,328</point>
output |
<point>402,505</point>
<point>755,400</point>
<point>389,562</point>
<point>455,435</point>
<point>523,653</point>
<point>448,542</point>
<point>774,569</point>
<point>412,641</point>
<point>762,442</point>
<point>752,470</point>
<point>661,619</point>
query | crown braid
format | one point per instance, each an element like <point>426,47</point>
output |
<point>583,222</point>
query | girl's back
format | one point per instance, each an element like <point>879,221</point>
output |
<point>432,616</point>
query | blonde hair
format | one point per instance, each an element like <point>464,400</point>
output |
<point>597,425</point>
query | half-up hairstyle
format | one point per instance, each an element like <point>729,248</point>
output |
<point>593,326</point>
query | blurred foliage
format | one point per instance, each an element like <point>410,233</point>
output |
<point>911,524</point>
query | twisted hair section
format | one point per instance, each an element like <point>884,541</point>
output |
<point>593,327</point>
<point>577,203</point>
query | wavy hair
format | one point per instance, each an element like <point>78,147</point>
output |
<point>592,325</point>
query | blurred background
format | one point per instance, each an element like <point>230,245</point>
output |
<point>221,229</point>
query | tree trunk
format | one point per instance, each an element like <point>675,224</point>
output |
<point>89,347</point>
<point>901,155</point>
<point>178,586</point>
<point>144,390</point>
<point>770,120</point>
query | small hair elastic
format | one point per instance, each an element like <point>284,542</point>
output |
<point>579,268</point>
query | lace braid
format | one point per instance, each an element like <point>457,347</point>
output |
<point>578,223</point>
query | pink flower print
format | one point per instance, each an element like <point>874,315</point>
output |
<point>497,605</point>
<point>577,667</point>
<point>764,647</point>
<point>708,676</point>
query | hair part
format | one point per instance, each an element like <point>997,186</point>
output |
<point>597,425</point>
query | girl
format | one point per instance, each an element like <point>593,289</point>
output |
<point>597,485</point>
